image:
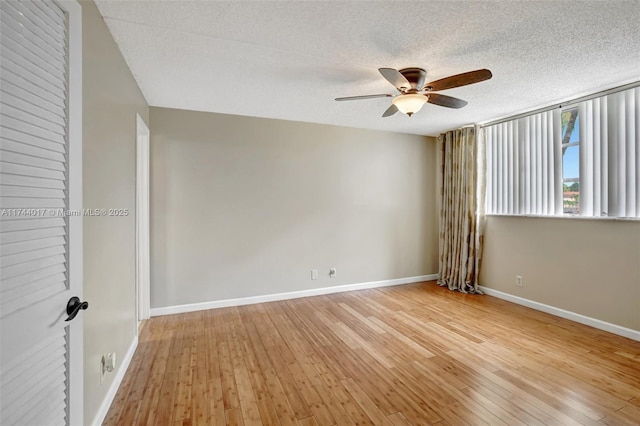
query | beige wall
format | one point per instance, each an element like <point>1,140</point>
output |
<point>246,206</point>
<point>111,100</point>
<point>591,267</point>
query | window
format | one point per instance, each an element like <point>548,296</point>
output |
<point>570,161</point>
<point>581,160</point>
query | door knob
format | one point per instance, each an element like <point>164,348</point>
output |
<point>74,306</point>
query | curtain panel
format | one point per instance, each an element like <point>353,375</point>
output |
<point>461,210</point>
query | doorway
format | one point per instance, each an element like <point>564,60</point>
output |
<point>143,263</point>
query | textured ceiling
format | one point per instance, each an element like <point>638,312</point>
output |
<point>290,59</point>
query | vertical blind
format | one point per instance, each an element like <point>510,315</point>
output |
<point>524,163</point>
<point>610,155</point>
<point>524,160</point>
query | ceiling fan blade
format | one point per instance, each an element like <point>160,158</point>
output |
<point>394,77</point>
<point>445,101</point>
<point>390,111</point>
<point>459,80</point>
<point>354,98</point>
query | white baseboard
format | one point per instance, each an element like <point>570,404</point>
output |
<point>192,307</point>
<point>113,389</point>
<point>579,318</point>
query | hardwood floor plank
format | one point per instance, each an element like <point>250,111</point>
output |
<point>621,417</point>
<point>572,392</point>
<point>506,390</point>
<point>339,392</point>
<point>514,407</point>
<point>248,405</point>
<point>366,321</point>
<point>216,403</point>
<point>360,396</point>
<point>284,410</point>
<point>310,395</point>
<point>415,346</point>
<point>234,417</point>
<point>502,413</point>
<point>397,419</point>
<point>308,421</point>
<point>165,407</point>
<point>229,389</point>
<point>160,343</point>
<point>182,410</point>
<point>174,371</point>
<point>280,355</point>
<point>328,397</point>
<point>436,401</point>
<point>199,397</point>
<point>402,355</point>
<point>264,401</point>
<point>382,392</point>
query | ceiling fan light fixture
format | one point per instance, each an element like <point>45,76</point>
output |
<point>410,103</point>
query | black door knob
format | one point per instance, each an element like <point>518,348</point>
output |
<point>74,306</point>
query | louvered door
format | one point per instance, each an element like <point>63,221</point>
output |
<point>40,184</point>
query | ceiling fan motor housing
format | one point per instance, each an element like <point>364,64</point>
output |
<point>415,76</point>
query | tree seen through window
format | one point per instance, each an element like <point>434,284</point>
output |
<point>571,161</point>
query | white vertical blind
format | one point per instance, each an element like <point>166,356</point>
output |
<point>610,155</point>
<point>523,160</point>
<point>593,173</point>
<point>629,101</point>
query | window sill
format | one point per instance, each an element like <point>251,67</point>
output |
<point>567,216</point>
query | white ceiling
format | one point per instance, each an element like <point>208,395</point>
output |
<point>290,59</point>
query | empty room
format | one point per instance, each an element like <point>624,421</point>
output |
<point>319,212</point>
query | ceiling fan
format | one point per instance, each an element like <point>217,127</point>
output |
<point>414,93</point>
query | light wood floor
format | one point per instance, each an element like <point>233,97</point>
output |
<point>406,355</point>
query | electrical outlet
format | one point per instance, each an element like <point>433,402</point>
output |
<point>314,274</point>
<point>519,280</point>
<point>107,364</point>
<point>332,273</point>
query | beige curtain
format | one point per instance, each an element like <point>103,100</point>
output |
<point>461,209</point>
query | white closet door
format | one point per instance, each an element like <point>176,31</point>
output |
<point>40,183</point>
